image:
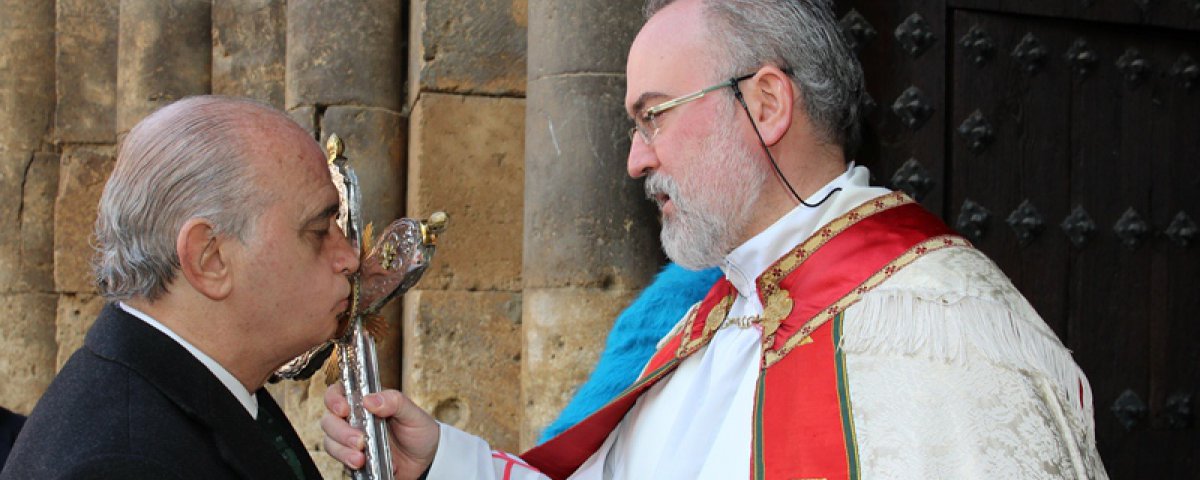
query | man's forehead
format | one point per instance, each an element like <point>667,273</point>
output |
<point>669,54</point>
<point>318,202</point>
<point>293,170</point>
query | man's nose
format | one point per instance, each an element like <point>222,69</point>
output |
<point>345,258</point>
<point>642,158</point>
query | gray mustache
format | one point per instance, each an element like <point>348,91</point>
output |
<point>658,184</point>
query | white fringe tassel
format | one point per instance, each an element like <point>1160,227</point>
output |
<point>950,328</point>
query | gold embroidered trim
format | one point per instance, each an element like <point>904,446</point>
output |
<point>768,282</point>
<point>770,357</point>
<point>676,331</point>
<point>712,322</point>
<point>686,333</point>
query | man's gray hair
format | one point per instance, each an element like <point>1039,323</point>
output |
<point>187,160</point>
<point>802,36</point>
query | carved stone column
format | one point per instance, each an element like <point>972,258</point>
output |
<point>590,237</point>
<point>84,133</point>
<point>28,178</point>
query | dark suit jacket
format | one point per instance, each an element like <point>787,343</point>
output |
<point>133,404</point>
<point>10,425</point>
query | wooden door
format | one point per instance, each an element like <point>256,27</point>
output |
<point>1063,138</point>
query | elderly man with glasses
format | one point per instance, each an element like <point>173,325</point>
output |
<point>852,335</point>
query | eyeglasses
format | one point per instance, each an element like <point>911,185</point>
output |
<point>646,125</point>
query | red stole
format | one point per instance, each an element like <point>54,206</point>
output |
<point>803,424</point>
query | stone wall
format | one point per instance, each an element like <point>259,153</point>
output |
<point>430,96</point>
<point>462,324</point>
<point>29,171</point>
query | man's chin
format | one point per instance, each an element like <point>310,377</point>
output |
<point>683,247</point>
<point>688,260</point>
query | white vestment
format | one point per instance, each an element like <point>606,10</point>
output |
<point>952,374</point>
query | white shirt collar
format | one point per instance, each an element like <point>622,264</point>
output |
<point>249,401</point>
<point>749,260</point>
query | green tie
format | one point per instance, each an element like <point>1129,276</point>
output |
<point>271,428</point>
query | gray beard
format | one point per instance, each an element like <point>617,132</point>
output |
<point>712,208</point>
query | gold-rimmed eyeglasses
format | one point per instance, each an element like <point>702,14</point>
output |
<point>646,125</point>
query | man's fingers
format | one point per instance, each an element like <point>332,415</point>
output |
<point>349,457</point>
<point>335,400</point>
<point>339,430</point>
<point>388,403</point>
<point>414,433</point>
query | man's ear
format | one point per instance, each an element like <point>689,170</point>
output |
<point>771,97</point>
<point>204,259</point>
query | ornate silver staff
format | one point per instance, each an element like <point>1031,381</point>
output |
<point>387,269</point>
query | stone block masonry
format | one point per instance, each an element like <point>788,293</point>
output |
<point>345,52</point>
<point>467,159</point>
<point>86,63</point>
<point>83,172</point>
<point>249,49</point>
<point>164,53</point>
<point>462,359</point>
<point>28,359</point>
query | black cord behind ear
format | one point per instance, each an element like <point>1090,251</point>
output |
<point>737,93</point>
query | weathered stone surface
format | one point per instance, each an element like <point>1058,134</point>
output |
<point>26,74</point>
<point>564,334</point>
<point>37,222</point>
<point>82,175</point>
<point>345,52</point>
<point>76,313</point>
<point>249,40</point>
<point>12,179</point>
<point>462,357</point>
<point>13,166</point>
<point>468,47</point>
<point>87,71</point>
<point>307,118</point>
<point>27,359</point>
<point>375,145</point>
<point>388,351</point>
<point>28,183</point>
<point>586,222</point>
<point>581,37</point>
<point>466,158</point>
<point>164,54</point>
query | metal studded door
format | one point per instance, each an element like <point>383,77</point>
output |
<point>1063,137</point>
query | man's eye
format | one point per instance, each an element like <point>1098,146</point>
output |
<point>646,117</point>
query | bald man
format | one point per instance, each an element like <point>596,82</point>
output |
<point>221,260</point>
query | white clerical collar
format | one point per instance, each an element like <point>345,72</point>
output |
<point>249,401</point>
<point>749,260</point>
